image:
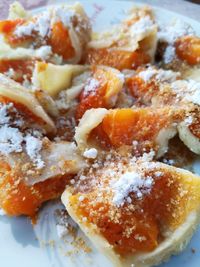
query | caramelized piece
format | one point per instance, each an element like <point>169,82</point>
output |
<point>60,41</point>
<point>115,58</point>
<point>188,49</point>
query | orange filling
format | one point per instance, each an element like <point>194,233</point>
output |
<point>17,198</point>
<point>21,67</point>
<point>188,49</point>
<point>118,59</point>
<point>123,126</point>
<point>195,127</point>
<point>107,86</point>
<point>117,233</point>
<point>138,226</point>
<point>60,41</point>
<point>140,90</point>
<point>8,27</point>
<point>26,113</point>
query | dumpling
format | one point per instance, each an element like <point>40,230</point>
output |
<point>149,128</point>
<point>136,212</point>
<point>58,34</point>
<point>128,45</point>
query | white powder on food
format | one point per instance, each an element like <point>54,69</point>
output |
<point>142,26</point>
<point>147,74</point>
<point>90,153</point>
<point>91,86</point>
<point>130,182</point>
<point>44,52</point>
<point>33,147</point>
<point>10,140</point>
<point>169,33</point>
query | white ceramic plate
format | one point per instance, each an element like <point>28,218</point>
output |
<point>21,245</point>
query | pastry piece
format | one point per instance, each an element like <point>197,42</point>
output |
<point>33,169</point>
<point>137,213</point>
<point>85,86</point>
<point>55,78</point>
<point>192,74</point>
<point>38,172</point>
<point>189,128</point>
<point>159,88</point>
<point>152,86</point>
<point>148,127</point>
<point>11,91</point>
<point>20,70</point>
<point>128,45</point>
<point>58,34</point>
<point>168,34</point>
<point>101,90</point>
<point>178,48</point>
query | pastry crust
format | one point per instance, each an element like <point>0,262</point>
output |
<point>55,78</point>
<point>174,240</point>
<point>174,244</point>
<point>17,93</point>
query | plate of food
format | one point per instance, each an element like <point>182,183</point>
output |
<point>99,136</point>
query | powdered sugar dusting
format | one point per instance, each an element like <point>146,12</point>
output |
<point>90,153</point>
<point>4,118</point>
<point>142,26</point>
<point>187,90</point>
<point>146,75</point>
<point>91,86</point>
<point>44,52</point>
<point>130,182</point>
<point>193,92</point>
<point>169,33</point>
<point>60,14</point>
<point>40,24</point>
<point>10,140</point>
<point>33,147</point>
<point>158,74</point>
<point>169,54</point>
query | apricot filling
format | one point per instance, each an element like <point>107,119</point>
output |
<point>21,69</point>
<point>17,198</point>
<point>60,41</point>
<point>59,38</point>
<point>101,90</point>
<point>188,49</point>
<point>23,112</point>
<point>139,222</point>
<point>141,91</point>
<point>8,27</point>
<point>123,126</point>
<point>115,58</point>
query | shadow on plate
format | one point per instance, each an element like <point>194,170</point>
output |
<point>22,230</point>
